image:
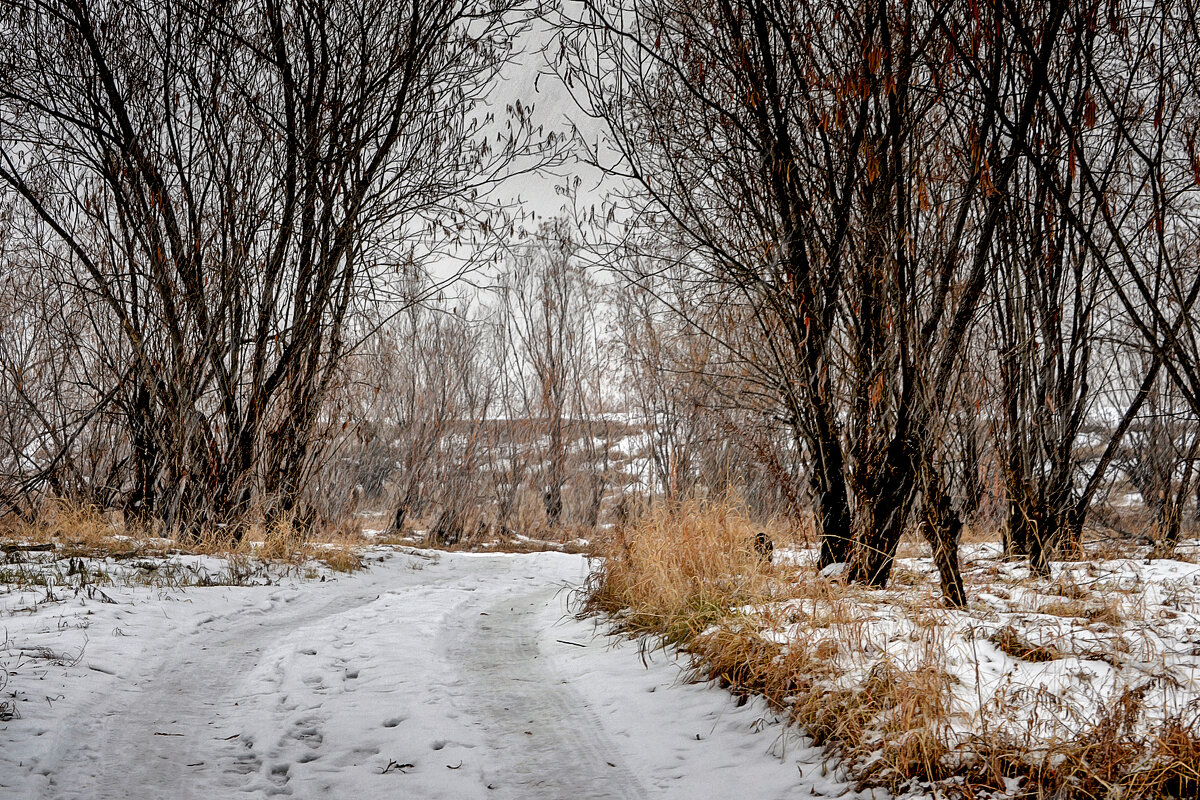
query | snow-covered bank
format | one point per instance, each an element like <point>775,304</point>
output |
<point>452,676</point>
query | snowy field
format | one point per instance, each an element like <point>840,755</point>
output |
<point>424,676</point>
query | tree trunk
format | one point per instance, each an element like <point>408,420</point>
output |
<point>942,528</point>
<point>891,501</point>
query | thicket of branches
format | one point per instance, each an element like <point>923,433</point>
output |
<point>207,207</point>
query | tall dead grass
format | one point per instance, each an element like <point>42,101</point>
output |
<point>680,568</point>
<point>687,575</point>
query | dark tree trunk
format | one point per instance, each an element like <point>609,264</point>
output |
<point>942,527</point>
<point>833,517</point>
<point>891,501</point>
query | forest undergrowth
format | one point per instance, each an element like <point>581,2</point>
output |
<point>1081,685</point>
<point>530,534</point>
<point>71,539</point>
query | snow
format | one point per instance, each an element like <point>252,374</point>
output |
<point>1106,626</point>
<point>447,675</point>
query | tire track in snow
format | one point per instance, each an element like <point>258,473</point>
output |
<point>432,680</point>
<point>530,709</point>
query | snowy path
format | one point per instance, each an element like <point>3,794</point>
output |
<point>458,677</point>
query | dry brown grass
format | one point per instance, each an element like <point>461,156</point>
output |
<point>680,568</point>
<point>1106,613</point>
<point>1008,640</point>
<point>1109,757</point>
<point>687,575</point>
<point>78,532</point>
<point>82,532</point>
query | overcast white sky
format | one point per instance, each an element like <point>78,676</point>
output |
<point>553,108</point>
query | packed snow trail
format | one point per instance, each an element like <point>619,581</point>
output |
<point>450,676</point>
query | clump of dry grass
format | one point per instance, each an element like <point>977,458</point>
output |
<point>680,568</point>
<point>1009,640</point>
<point>1111,755</point>
<point>80,532</point>
<point>688,573</point>
<point>285,542</point>
<point>8,706</point>
<point>1107,613</point>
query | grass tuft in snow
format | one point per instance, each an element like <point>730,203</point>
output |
<point>8,702</point>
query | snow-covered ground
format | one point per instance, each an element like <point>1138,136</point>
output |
<point>424,676</point>
<point>1033,664</point>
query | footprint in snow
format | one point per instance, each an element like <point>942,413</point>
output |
<point>356,756</point>
<point>280,773</point>
<point>310,736</point>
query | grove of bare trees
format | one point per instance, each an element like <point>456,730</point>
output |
<point>209,205</point>
<point>910,228</point>
<point>878,268</point>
